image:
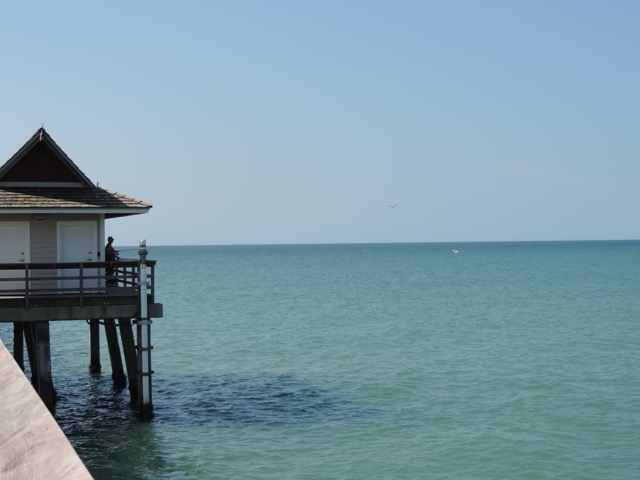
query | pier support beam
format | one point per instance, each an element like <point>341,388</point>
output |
<point>18,344</point>
<point>39,349</point>
<point>130,356</point>
<point>145,405</point>
<point>117,371</point>
<point>94,347</point>
<point>31,349</point>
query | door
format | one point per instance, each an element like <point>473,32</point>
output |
<point>14,248</point>
<point>78,242</point>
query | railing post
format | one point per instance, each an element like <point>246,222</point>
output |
<point>145,405</point>
<point>26,285</point>
<point>81,284</point>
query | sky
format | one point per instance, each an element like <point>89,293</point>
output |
<point>286,122</point>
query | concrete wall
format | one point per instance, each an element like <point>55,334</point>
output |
<point>32,445</point>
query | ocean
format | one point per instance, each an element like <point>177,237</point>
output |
<point>373,361</point>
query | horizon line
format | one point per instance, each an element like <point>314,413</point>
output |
<point>378,243</point>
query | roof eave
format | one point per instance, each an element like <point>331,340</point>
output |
<point>108,212</point>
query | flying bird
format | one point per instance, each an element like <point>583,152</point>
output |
<point>392,206</point>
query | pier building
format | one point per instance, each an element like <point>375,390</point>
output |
<point>52,268</point>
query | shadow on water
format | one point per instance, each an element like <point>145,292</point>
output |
<point>102,423</point>
<point>239,401</point>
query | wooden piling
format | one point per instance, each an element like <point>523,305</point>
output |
<point>130,355</point>
<point>117,371</point>
<point>94,346</point>
<point>39,349</point>
<point>31,350</point>
<point>18,344</point>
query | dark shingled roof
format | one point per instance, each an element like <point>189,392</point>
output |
<point>40,176</point>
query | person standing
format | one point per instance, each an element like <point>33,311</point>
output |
<point>110,255</point>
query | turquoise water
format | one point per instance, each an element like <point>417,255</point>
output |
<point>394,361</point>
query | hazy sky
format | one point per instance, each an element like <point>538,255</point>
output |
<point>251,122</point>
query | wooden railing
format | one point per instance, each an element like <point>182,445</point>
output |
<point>30,280</point>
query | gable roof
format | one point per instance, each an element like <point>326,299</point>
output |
<point>41,178</point>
